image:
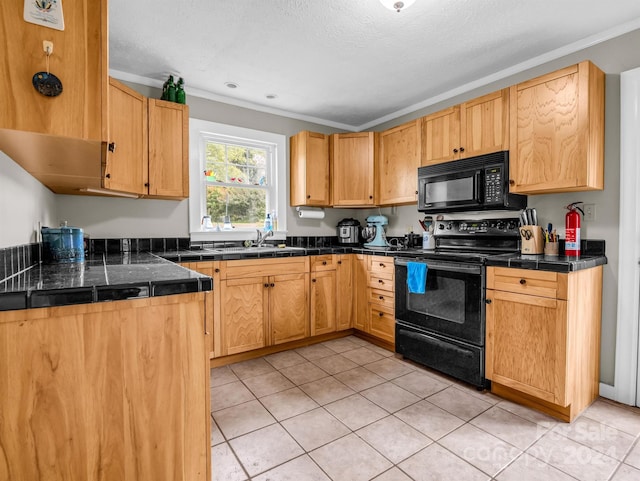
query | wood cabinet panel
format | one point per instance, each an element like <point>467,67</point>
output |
<point>397,164</point>
<point>309,171</point>
<point>352,168</point>
<point>263,267</point>
<point>485,124</point>
<point>345,288</point>
<point>326,262</point>
<point>383,323</point>
<point>557,132</point>
<point>79,60</point>
<point>105,391</point>
<point>168,149</point>
<point>288,307</point>
<point>323,302</point>
<point>127,159</point>
<point>527,281</point>
<point>382,297</point>
<point>441,136</point>
<point>243,310</point>
<point>361,301</point>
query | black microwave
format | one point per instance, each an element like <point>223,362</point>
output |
<point>473,184</point>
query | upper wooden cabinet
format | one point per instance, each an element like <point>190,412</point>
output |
<point>476,127</point>
<point>352,169</point>
<point>557,132</point>
<point>397,164</point>
<point>309,176</point>
<point>168,149</point>
<point>79,60</point>
<point>148,145</point>
<point>127,157</point>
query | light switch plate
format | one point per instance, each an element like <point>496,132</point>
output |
<point>589,212</point>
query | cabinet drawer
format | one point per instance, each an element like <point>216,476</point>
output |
<point>376,282</point>
<point>323,263</point>
<point>382,323</point>
<point>526,281</point>
<point>382,298</point>
<point>263,267</point>
<point>381,266</point>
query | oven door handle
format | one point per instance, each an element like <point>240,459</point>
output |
<point>442,266</point>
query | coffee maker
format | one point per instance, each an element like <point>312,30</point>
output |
<point>374,232</point>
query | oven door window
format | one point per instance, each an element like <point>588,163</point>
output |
<point>450,306</point>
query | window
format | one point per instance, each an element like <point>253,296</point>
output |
<point>237,177</point>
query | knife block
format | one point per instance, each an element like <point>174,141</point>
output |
<point>532,239</point>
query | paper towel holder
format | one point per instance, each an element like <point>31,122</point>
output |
<point>310,212</point>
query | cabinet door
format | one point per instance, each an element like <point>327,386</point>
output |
<point>344,292</point>
<point>168,149</point>
<point>211,305</point>
<point>243,310</point>
<point>441,136</point>
<point>310,169</point>
<point>323,302</point>
<point>527,344</point>
<point>288,307</point>
<point>352,162</point>
<point>485,124</point>
<point>557,131</point>
<point>397,166</point>
<point>126,167</point>
<point>79,60</point>
<point>361,294</point>
<point>383,323</point>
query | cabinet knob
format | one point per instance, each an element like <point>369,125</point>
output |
<point>266,284</point>
<point>340,262</point>
<point>455,151</point>
<point>380,314</point>
<point>370,197</point>
<point>381,298</point>
<point>112,147</point>
<point>216,270</point>
<point>381,264</point>
<point>324,263</point>
<point>512,182</point>
<point>416,192</point>
<point>146,184</point>
<point>313,280</point>
<point>461,149</point>
<point>523,281</point>
<point>380,281</point>
<point>487,301</point>
<point>272,284</point>
<point>108,176</point>
<point>308,197</point>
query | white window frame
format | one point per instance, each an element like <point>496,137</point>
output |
<point>201,131</point>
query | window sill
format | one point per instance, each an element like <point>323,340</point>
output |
<point>229,236</point>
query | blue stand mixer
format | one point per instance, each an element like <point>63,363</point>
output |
<point>374,232</point>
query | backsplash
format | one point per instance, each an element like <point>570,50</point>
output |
<point>157,245</point>
<point>18,258</point>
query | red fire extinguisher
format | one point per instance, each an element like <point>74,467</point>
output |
<point>572,230</point>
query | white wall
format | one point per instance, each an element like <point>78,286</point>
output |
<point>24,202</point>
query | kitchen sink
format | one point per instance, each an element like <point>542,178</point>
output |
<point>253,249</point>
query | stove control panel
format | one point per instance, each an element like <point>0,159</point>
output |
<point>492,227</point>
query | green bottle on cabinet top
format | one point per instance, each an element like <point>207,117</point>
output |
<point>181,96</point>
<point>171,90</point>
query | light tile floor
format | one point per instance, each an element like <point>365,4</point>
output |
<point>346,410</point>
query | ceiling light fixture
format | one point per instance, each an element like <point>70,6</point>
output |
<point>231,85</point>
<point>397,5</point>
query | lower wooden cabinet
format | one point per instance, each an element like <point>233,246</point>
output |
<point>543,337</point>
<point>111,390</point>
<point>345,291</point>
<point>360,289</point>
<point>323,302</point>
<point>288,312</point>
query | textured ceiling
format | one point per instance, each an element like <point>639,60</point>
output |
<point>351,63</point>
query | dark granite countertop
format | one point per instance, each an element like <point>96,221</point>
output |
<point>100,278</point>
<point>547,263</point>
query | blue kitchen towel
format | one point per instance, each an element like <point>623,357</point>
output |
<point>416,277</point>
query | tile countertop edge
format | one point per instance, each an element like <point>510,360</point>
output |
<point>546,263</point>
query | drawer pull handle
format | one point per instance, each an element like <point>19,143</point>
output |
<point>381,298</point>
<point>380,314</point>
<point>523,281</point>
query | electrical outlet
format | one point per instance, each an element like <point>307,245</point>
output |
<point>589,212</point>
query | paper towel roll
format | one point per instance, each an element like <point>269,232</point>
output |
<point>311,214</point>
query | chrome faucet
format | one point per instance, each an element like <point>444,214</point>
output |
<point>262,237</point>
